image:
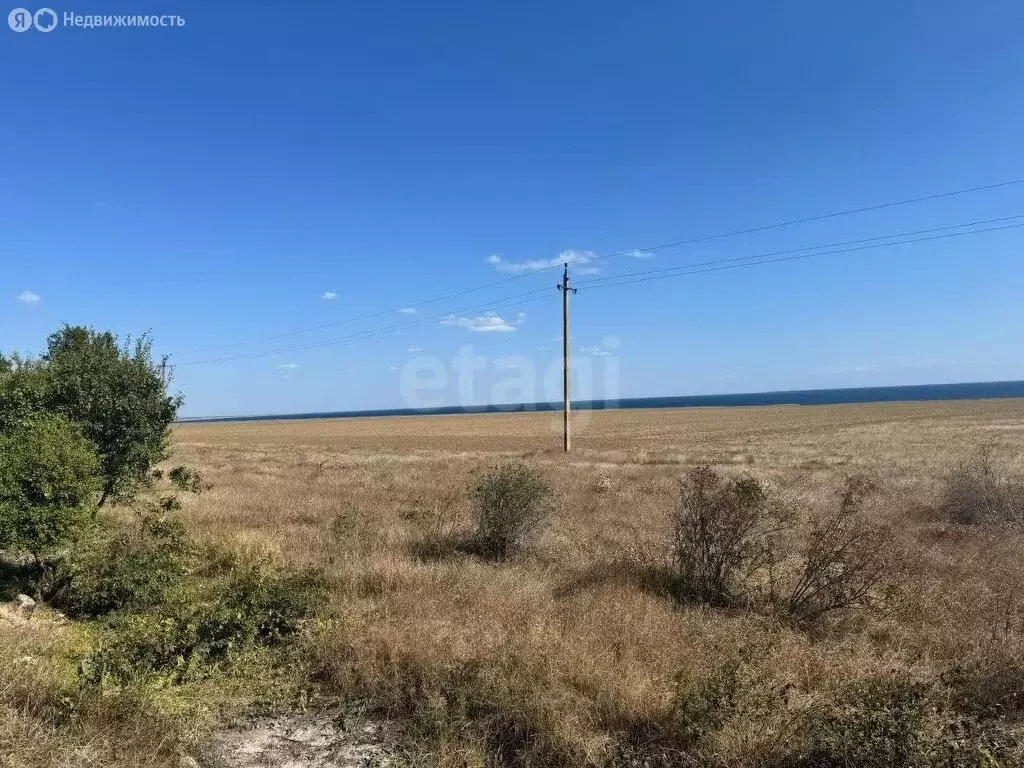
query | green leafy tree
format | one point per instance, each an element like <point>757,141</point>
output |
<point>119,397</point>
<point>48,479</point>
<point>22,391</point>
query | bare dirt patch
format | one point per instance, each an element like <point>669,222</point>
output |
<point>301,741</point>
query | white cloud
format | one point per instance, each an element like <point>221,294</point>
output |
<point>637,254</point>
<point>27,297</point>
<point>392,367</point>
<point>535,265</point>
<point>520,318</point>
<point>481,324</point>
<point>414,350</point>
<point>408,310</point>
<point>329,296</point>
<point>595,351</point>
<point>287,369</point>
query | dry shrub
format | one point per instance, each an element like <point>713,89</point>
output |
<point>843,559</point>
<point>510,502</point>
<point>736,543</point>
<point>977,492</point>
<point>438,523</point>
<point>724,532</point>
<point>988,678</point>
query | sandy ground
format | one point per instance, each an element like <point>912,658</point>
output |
<point>300,741</point>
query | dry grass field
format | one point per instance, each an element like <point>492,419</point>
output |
<point>564,655</point>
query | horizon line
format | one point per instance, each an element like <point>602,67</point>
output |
<point>769,397</point>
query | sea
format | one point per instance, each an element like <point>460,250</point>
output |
<point>917,392</point>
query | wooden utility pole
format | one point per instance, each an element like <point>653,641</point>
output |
<point>565,289</point>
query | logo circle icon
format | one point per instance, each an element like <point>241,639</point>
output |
<point>20,19</point>
<point>45,19</point>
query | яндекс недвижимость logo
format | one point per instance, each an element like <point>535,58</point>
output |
<point>46,20</point>
<point>22,19</point>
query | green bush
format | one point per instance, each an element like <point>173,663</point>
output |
<point>902,723</point>
<point>121,569</point>
<point>990,684</point>
<point>233,605</point>
<point>260,603</point>
<point>703,709</point>
<point>48,477</point>
<point>511,501</point>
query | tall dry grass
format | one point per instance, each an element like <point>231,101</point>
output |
<point>569,654</point>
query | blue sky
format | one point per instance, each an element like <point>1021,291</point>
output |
<point>212,183</point>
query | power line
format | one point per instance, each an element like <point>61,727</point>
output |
<point>716,266</point>
<point>597,280</point>
<point>536,295</point>
<point>636,277</point>
<point>369,316</point>
<point>663,246</point>
<point>368,333</point>
<point>808,219</point>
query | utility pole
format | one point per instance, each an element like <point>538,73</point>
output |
<point>565,289</point>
